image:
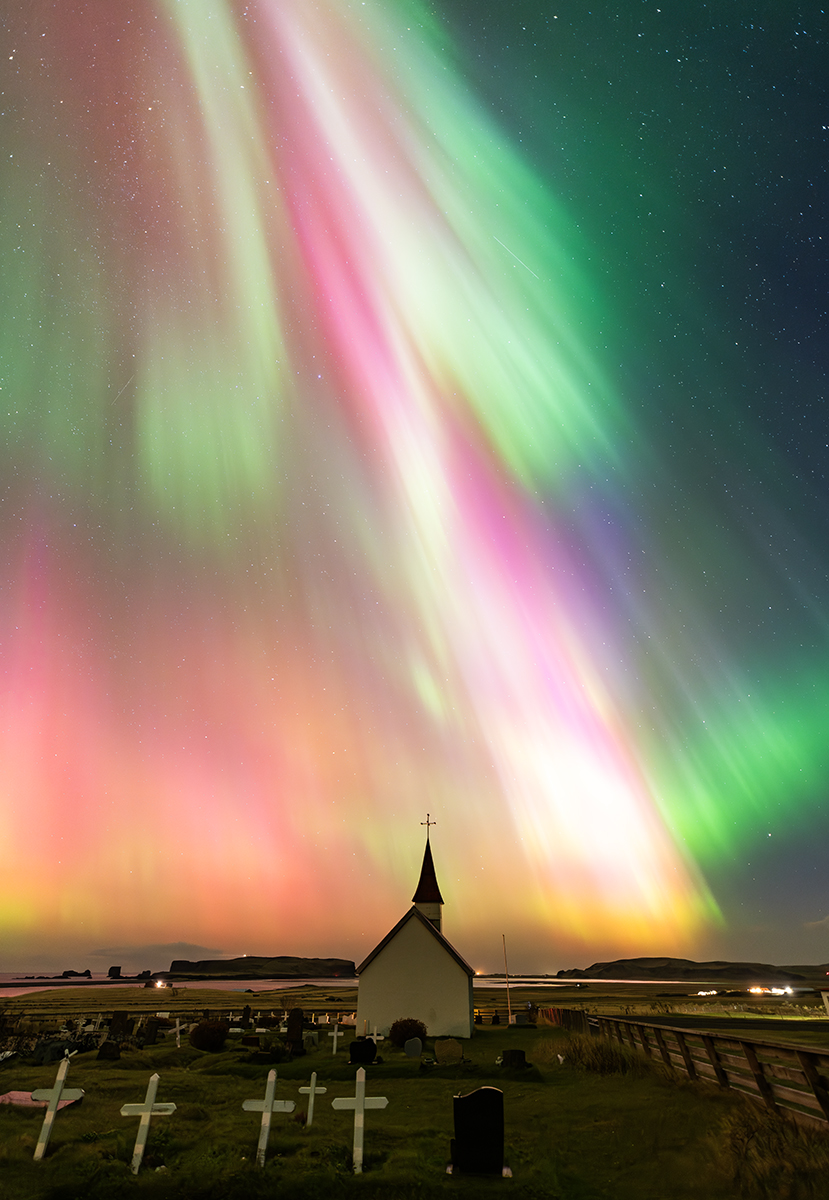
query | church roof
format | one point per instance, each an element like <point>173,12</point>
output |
<point>414,914</point>
<point>427,891</point>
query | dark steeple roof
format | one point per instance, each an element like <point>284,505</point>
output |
<point>428,891</point>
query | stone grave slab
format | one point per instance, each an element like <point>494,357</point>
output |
<point>448,1052</point>
<point>478,1145</point>
<point>293,1031</point>
<point>363,1050</point>
<point>514,1060</point>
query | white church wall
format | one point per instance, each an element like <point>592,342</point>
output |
<point>415,976</point>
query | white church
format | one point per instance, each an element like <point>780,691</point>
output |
<point>415,971</point>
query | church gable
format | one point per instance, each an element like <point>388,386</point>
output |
<point>429,934</point>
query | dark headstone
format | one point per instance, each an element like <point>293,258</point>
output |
<point>478,1144</point>
<point>413,1048</point>
<point>362,1052</point>
<point>50,1051</point>
<point>479,1020</point>
<point>496,1020</point>
<point>151,1032</point>
<point>109,1050</point>
<point>121,1026</point>
<point>293,1034</point>
<point>245,1022</point>
<point>515,1060</point>
<point>448,1052</point>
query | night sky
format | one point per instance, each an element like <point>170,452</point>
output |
<point>413,408</point>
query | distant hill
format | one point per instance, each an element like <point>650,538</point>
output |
<point>694,972</point>
<point>252,967</point>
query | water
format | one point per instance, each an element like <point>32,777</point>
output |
<point>220,985</point>
<point>240,985</point>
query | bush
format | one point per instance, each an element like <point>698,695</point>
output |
<point>405,1028</point>
<point>209,1035</point>
<point>602,1056</point>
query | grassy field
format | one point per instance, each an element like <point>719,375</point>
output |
<point>619,1130</point>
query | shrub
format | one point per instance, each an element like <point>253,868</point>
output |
<point>405,1028</point>
<point>209,1035</point>
<point>601,1055</point>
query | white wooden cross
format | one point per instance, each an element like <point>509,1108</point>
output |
<point>336,1034</point>
<point>359,1102</point>
<point>54,1095</point>
<point>267,1107</point>
<point>145,1111</point>
<point>310,1092</point>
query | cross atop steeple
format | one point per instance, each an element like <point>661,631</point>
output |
<point>428,825</point>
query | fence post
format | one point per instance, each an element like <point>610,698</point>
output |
<point>663,1049</point>
<point>816,1082</point>
<point>763,1085</point>
<point>686,1054</point>
<point>646,1045</point>
<point>722,1078</point>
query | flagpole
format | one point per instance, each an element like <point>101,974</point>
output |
<point>506,976</point>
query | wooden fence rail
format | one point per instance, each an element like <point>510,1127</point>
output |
<point>794,1079</point>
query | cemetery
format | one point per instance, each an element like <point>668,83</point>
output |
<point>225,1096</point>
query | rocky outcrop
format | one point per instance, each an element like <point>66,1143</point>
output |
<point>252,967</point>
<point>685,970</point>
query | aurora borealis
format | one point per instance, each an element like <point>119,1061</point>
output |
<point>413,408</point>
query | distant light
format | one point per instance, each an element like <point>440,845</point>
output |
<point>160,983</point>
<point>706,993</point>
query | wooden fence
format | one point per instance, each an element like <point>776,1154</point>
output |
<point>794,1079</point>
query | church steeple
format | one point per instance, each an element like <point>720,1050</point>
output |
<point>427,896</point>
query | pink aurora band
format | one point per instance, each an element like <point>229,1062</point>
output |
<point>310,566</point>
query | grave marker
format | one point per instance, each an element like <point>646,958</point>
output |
<point>514,1060</point>
<point>336,1034</point>
<point>448,1052</point>
<point>311,1092</point>
<point>294,1031</point>
<point>478,1144</point>
<point>359,1102</point>
<point>267,1107</point>
<point>145,1111</point>
<point>53,1095</point>
<point>362,1051</point>
<point>121,1026</point>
